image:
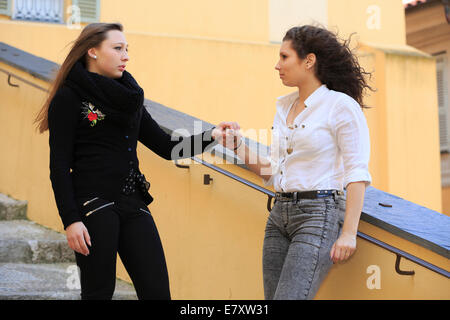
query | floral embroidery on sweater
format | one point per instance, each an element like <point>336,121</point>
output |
<point>92,114</point>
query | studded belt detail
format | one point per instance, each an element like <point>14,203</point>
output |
<point>135,180</point>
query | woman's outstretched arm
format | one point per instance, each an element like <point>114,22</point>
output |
<point>258,164</point>
<point>171,147</point>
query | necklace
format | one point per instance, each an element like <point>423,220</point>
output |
<point>294,105</point>
<point>291,148</point>
<point>292,128</point>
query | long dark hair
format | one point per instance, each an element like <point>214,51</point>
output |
<point>90,37</point>
<point>336,65</point>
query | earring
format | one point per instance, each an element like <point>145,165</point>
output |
<point>95,57</point>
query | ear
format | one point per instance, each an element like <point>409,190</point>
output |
<point>310,60</point>
<point>92,53</point>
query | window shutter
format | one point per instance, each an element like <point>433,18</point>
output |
<point>444,112</point>
<point>5,7</point>
<point>89,10</point>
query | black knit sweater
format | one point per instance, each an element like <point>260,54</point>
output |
<point>94,125</point>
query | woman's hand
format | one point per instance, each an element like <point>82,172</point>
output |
<point>345,245</point>
<point>226,133</point>
<point>343,248</point>
<point>77,236</point>
<point>232,139</point>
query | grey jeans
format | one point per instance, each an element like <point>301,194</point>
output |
<point>297,244</point>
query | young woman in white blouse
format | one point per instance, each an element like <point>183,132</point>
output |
<point>320,146</point>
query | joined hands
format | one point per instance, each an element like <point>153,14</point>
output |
<point>228,134</point>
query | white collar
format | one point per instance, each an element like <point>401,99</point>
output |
<point>314,98</point>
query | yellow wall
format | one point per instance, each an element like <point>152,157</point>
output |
<point>380,21</point>
<point>404,116</point>
<point>284,14</point>
<point>415,172</point>
<point>245,20</point>
<point>232,19</point>
<point>24,159</point>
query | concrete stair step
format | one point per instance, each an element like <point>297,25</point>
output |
<point>11,209</point>
<point>29,242</point>
<point>56,281</point>
<point>36,263</point>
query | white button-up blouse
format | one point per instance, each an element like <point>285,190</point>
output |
<point>329,143</point>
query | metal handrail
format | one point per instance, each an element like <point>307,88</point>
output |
<point>11,75</point>
<point>399,253</point>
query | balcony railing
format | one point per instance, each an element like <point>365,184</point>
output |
<point>39,10</point>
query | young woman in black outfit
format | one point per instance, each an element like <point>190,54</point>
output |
<point>95,116</point>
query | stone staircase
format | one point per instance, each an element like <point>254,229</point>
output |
<point>36,263</point>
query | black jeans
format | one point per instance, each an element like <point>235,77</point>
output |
<point>124,226</point>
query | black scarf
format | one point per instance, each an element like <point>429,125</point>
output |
<point>119,99</point>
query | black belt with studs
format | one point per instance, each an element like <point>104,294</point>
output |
<point>135,180</point>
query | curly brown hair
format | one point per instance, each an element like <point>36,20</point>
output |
<point>336,65</point>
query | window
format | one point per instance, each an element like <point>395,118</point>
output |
<point>89,10</point>
<point>51,11</point>
<point>37,10</point>
<point>442,71</point>
<point>5,7</point>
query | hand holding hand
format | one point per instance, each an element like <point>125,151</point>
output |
<point>227,134</point>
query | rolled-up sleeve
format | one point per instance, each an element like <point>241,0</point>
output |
<point>274,164</point>
<point>352,136</point>
<point>274,155</point>
<point>268,182</point>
